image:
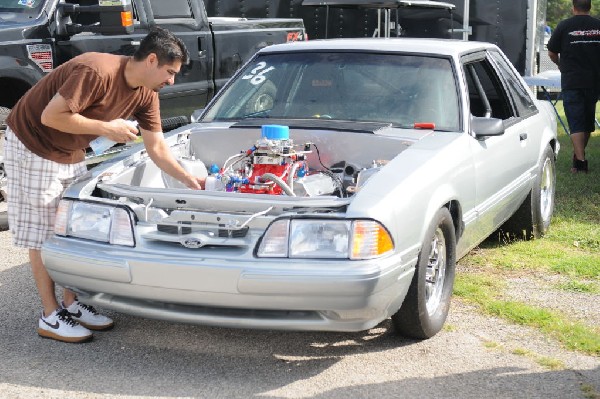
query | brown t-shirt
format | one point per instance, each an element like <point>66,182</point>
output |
<point>93,84</point>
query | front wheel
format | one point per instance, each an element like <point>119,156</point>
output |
<point>427,302</point>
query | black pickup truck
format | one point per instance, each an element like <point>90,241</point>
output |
<point>38,35</point>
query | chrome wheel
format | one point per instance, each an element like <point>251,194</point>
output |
<point>436,272</point>
<point>427,301</point>
<point>547,188</point>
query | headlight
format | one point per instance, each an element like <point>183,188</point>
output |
<point>325,238</point>
<point>96,222</point>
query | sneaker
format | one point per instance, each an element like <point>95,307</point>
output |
<point>88,316</point>
<point>60,326</point>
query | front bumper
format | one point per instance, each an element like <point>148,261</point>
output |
<point>198,287</point>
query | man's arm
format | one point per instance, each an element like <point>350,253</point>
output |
<point>59,116</point>
<point>159,152</point>
<point>554,57</point>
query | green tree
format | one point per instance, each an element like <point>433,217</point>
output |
<point>557,10</point>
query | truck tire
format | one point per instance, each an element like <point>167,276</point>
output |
<point>425,308</point>
<point>174,122</point>
<point>3,205</point>
<point>533,217</point>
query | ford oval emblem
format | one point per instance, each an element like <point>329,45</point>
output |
<point>192,243</point>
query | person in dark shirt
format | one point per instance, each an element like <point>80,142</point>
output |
<point>575,48</point>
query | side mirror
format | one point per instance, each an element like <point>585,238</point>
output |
<point>99,16</point>
<point>485,127</point>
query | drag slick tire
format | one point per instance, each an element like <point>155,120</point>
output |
<point>425,308</point>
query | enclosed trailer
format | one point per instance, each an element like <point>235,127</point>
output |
<point>516,26</point>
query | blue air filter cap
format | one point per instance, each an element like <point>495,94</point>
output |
<point>275,132</point>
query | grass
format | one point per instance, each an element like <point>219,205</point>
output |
<point>570,249</point>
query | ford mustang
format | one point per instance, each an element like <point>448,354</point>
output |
<point>344,179</point>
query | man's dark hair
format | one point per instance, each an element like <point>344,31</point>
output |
<point>582,5</point>
<point>167,47</point>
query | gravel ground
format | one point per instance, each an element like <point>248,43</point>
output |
<point>540,291</point>
<point>475,356</point>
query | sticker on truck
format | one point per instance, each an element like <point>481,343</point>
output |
<point>295,36</point>
<point>27,3</point>
<point>41,54</point>
<point>109,3</point>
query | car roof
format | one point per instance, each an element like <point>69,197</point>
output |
<point>447,47</point>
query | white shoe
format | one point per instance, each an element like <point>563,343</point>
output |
<point>60,326</point>
<point>88,316</point>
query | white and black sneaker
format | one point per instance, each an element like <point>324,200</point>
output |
<point>59,325</point>
<point>88,316</point>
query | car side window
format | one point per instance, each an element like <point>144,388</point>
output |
<point>487,97</point>
<point>522,100</point>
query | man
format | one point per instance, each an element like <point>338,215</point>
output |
<point>48,131</point>
<point>575,48</point>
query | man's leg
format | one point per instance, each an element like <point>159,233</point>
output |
<point>68,297</point>
<point>31,221</point>
<point>579,141</point>
<point>580,107</point>
<point>44,283</point>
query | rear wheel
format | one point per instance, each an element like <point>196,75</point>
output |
<point>427,302</point>
<point>532,219</point>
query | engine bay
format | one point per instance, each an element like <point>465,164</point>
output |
<point>269,161</point>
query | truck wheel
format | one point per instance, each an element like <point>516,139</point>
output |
<point>427,302</point>
<point>533,217</point>
<point>3,205</point>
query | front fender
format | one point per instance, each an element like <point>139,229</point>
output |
<point>19,69</point>
<point>406,194</point>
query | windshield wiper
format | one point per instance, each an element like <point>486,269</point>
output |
<point>258,114</point>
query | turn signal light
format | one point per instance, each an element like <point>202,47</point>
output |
<point>126,18</point>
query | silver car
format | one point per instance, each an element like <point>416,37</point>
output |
<point>344,180</point>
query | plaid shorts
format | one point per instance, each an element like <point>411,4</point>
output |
<point>35,186</point>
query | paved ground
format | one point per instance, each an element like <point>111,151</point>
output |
<point>474,357</point>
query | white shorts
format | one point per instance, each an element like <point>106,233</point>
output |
<point>35,186</point>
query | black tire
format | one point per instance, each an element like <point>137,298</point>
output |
<point>532,219</point>
<point>174,122</point>
<point>3,210</point>
<point>425,308</point>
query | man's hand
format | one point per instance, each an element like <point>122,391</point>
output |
<point>554,57</point>
<point>119,130</point>
<point>195,183</point>
<point>160,153</point>
<point>58,115</point>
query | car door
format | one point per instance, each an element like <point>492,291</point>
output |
<point>193,84</point>
<point>502,177</point>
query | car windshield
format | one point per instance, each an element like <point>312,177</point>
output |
<point>12,10</point>
<point>371,87</point>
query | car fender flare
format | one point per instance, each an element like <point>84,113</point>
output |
<point>10,67</point>
<point>442,196</point>
<point>550,132</point>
